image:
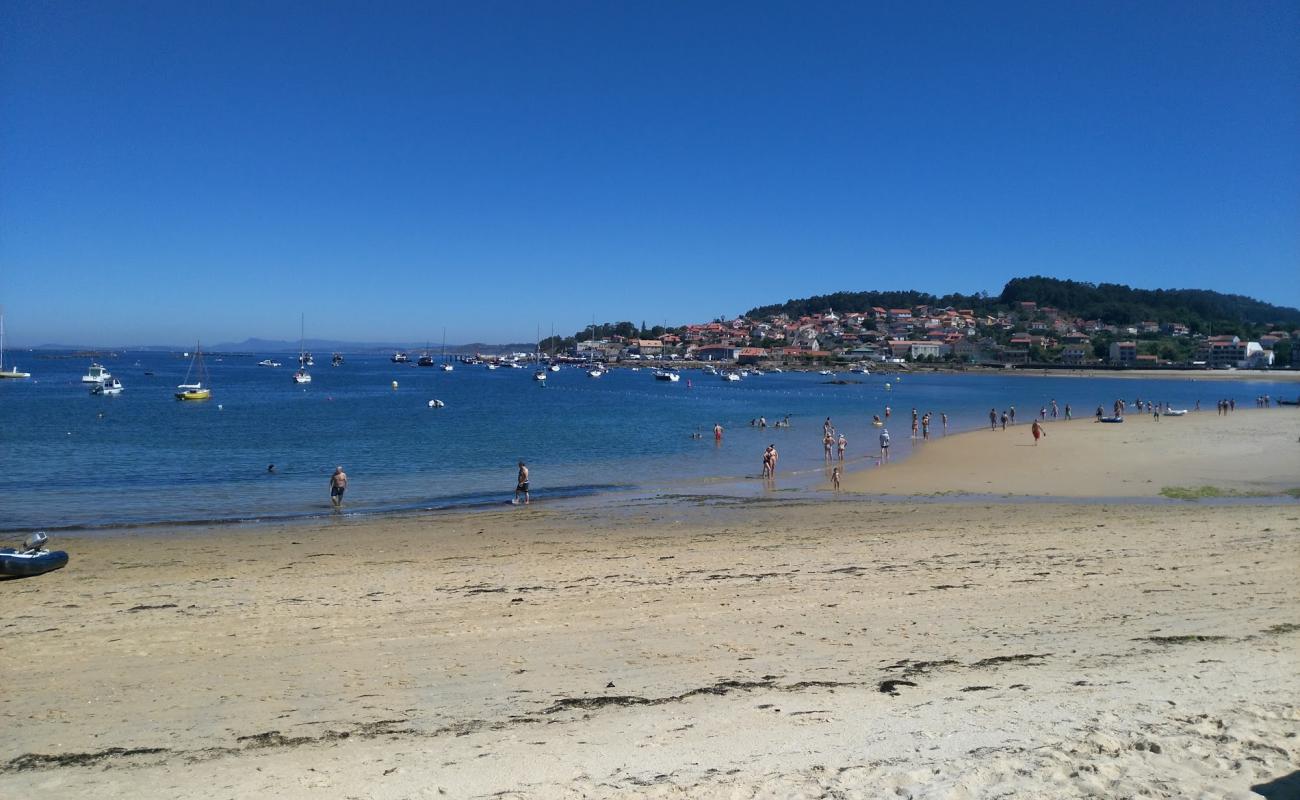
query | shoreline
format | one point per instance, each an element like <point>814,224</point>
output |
<point>1249,451</point>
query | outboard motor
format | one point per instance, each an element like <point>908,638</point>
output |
<point>35,541</point>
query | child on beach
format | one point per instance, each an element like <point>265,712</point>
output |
<point>1038,431</point>
<point>835,479</point>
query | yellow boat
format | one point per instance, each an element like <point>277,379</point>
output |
<point>196,390</point>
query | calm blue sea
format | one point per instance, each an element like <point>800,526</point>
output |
<point>72,460</point>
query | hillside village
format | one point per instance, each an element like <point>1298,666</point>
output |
<point>1027,334</point>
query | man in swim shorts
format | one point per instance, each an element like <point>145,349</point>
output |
<point>521,485</point>
<point>338,485</point>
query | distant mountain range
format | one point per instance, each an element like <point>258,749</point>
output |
<point>316,346</point>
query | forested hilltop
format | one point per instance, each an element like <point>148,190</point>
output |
<point>1201,310</point>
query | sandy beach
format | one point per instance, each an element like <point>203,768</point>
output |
<point>1250,451</point>
<point>681,647</point>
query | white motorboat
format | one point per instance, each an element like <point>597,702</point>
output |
<point>446,366</point>
<point>756,372</point>
<point>777,369</point>
<point>266,362</point>
<point>595,372</point>
<point>110,387</point>
<point>11,372</point>
<point>400,358</point>
<point>730,376</point>
<point>825,372</point>
<point>539,375</point>
<point>710,371</point>
<point>667,375</point>
<point>96,374</point>
<point>493,366</point>
<point>302,376</point>
<point>554,368</point>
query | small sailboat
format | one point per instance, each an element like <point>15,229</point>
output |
<point>539,375</point>
<point>595,372</point>
<point>10,372</point>
<point>304,358</point>
<point>445,366</point>
<point>196,390</point>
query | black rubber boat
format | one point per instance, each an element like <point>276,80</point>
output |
<point>33,559</point>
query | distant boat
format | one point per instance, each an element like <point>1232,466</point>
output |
<point>11,372</point>
<point>266,362</point>
<point>400,358</point>
<point>304,358</point>
<point>539,375</point>
<point>493,365</point>
<point>426,360</point>
<point>445,366</point>
<point>110,387</point>
<point>96,374</point>
<point>667,375</point>
<point>595,372</point>
<point>710,371</point>
<point>730,376</point>
<point>336,360</point>
<point>825,372</point>
<point>196,390</point>
<point>554,368</point>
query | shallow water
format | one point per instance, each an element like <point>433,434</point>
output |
<point>71,460</point>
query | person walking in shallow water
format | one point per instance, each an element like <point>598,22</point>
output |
<point>521,485</point>
<point>338,485</point>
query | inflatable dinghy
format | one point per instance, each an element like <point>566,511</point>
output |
<point>33,559</point>
<point>1112,419</point>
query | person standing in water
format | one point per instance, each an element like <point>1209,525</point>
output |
<point>884,444</point>
<point>521,485</point>
<point>338,485</point>
<point>843,443</point>
<point>717,432</point>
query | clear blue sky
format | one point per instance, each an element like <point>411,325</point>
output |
<point>174,170</point>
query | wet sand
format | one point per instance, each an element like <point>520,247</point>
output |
<point>700,647</point>
<point>1250,451</point>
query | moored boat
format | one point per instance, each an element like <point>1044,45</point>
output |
<point>667,375</point>
<point>196,390</point>
<point>110,387</point>
<point>400,358</point>
<point>11,372</point>
<point>96,374</point>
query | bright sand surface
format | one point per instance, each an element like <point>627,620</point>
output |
<point>1248,451</point>
<point>784,646</point>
